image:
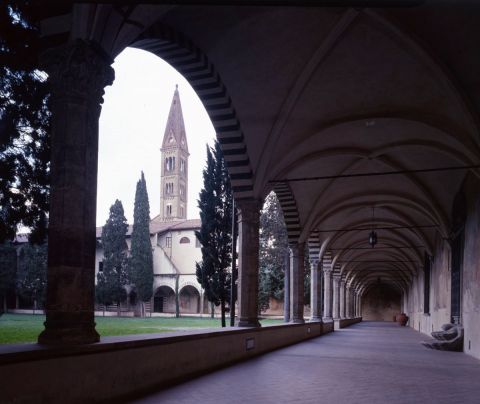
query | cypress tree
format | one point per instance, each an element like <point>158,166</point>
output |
<point>273,249</point>
<point>24,125</point>
<point>215,203</point>
<point>112,280</point>
<point>141,259</point>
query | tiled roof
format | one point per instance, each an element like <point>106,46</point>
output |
<point>156,226</point>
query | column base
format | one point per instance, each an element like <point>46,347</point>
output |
<point>316,319</point>
<point>248,322</point>
<point>297,321</point>
<point>67,329</point>
<point>327,319</point>
<point>68,336</point>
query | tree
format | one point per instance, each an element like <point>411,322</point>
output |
<point>24,126</point>
<point>215,235</point>
<point>8,270</point>
<point>141,259</point>
<point>112,279</point>
<point>32,273</point>
<point>273,250</point>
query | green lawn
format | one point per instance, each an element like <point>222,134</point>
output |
<point>18,328</point>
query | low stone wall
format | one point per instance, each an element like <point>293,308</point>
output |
<point>346,322</point>
<point>119,366</point>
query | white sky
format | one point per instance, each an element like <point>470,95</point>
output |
<point>132,124</point>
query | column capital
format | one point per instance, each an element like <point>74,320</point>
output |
<point>78,70</point>
<point>297,248</point>
<point>313,263</point>
<point>327,270</point>
<point>249,210</point>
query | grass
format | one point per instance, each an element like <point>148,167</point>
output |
<point>23,328</point>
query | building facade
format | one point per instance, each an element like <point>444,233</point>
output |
<point>174,244</point>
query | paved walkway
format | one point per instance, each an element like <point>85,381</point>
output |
<point>366,363</point>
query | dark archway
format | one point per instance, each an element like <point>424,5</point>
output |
<point>189,300</point>
<point>381,303</point>
<point>164,300</point>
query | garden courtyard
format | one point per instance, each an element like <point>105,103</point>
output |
<point>24,328</point>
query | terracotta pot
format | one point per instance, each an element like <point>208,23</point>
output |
<point>402,319</point>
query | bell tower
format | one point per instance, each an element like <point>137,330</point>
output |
<point>174,171</point>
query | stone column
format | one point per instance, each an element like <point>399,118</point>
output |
<point>286,289</point>
<point>248,226</point>
<point>354,304</point>
<point>336,297</point>
<point>78,73</point>
<point>297,271</point>
<point>348,298</point>
<point>315,291</point>
<point>342,298</point>
<point>359,313</point>
<point>327,291</point>
<point>357,304</point>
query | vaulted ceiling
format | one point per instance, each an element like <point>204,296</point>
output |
<point>317,102</point>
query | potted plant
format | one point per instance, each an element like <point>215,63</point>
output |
<point>402,319</point>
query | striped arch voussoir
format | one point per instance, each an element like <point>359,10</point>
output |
<point>290,211</point>
<point>314,246</point>
<point>190,61</point>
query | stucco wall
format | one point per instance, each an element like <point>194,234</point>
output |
<point>413,303</point>
<point>471,271</point>
<point>440,290</point>
<point>381,303</point>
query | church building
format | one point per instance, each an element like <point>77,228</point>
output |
<point>175,247</point>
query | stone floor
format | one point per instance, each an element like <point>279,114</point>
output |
<point>369,362</point>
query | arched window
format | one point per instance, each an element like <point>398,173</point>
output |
<point>184,240</point>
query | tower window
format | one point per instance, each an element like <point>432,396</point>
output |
<point>170,164</point>
<point>182,165</point>
<point>184,240</point>
<point>169,210</point>
<point>181,211</point>
<point>168,241</point>
<point>169,188</point>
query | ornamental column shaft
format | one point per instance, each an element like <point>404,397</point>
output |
<point>348,306</point>
<point>342,299</point>
<point>286,289</point>
<point>327,291</point>
<point>297,270</point>
<point>78,73</point>
<point>354,303</point>
<point>315,291</point>
<point>248,244</point>
<point>336,297</point>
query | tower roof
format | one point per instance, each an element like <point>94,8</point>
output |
<point>175,135</point>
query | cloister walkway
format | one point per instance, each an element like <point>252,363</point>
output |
<point>370,362</point>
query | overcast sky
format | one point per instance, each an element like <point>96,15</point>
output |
<point>132,124</point>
